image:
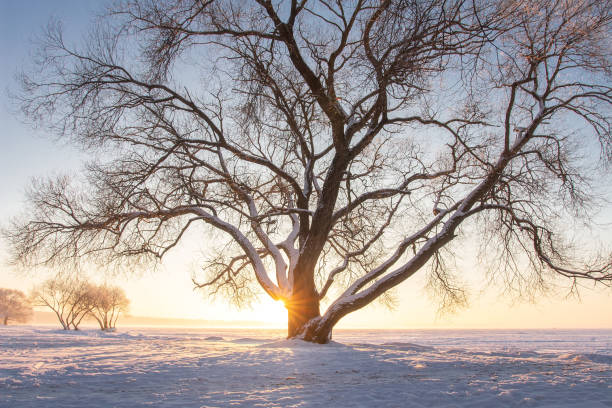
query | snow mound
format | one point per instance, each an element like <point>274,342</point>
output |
<point>407,347</point>
<point>297,343</point>
<point>587,358</point>
<point>248,340</point>
<point>214,338</point>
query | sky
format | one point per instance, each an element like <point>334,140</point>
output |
<point>168,291</point>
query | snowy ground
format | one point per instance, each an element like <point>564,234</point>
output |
<point>44,367</point>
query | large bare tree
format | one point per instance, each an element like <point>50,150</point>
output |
<point>338,146</point>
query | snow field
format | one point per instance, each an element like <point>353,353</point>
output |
<point>44,367</point>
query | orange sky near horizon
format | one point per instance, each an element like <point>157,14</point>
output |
<point>169,293</point>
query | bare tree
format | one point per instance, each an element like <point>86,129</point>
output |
<point>14,306</point>
<point>70,298</point>
<point>109,302</point>
<point>340,147</point>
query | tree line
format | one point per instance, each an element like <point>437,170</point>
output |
<point>71,299</point>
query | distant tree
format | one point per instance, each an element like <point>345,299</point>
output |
<point>82,302</point>
<point>337,148</point>
<point>108,303</point>
<point>14,306</point>
<point>70,298</point>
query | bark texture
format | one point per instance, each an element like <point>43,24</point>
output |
<point>303,305</point>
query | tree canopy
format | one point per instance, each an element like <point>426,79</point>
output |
<point>68,296</point>
<point>14,306</point>
<point>336,147</point>
<point>108,303</point>
<point>74,299</point>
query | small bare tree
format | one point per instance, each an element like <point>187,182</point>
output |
<point>70,298</point>
<point>109,302</point>
<point>339,147</point>
<point>14,306</point>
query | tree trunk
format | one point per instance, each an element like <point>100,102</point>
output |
<point>303,307</point>
<point>98,320</point>
<point>5,320</point>
<point>300,312</point>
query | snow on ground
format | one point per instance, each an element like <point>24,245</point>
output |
<point>45,367</point>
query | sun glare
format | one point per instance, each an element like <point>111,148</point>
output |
<point>272,312</point>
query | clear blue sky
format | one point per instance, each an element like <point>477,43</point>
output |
<point>25,153</point>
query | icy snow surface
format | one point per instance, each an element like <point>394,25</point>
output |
<point>137,367</point>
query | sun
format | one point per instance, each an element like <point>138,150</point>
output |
<point>272,312</point>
